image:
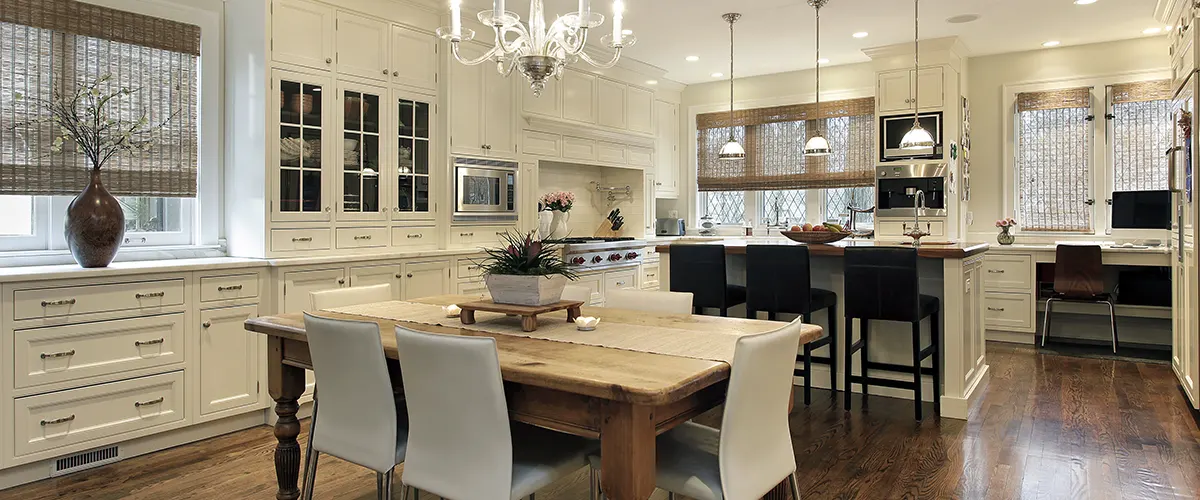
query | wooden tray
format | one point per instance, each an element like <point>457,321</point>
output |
<point>528,314</point>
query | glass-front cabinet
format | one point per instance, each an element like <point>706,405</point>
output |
<point>361,180</point>
<point>299,185</point>
<point>415,116</point>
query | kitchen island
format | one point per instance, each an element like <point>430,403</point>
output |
<point>952,273</point>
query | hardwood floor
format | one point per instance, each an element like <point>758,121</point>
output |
<point>1048,427</point>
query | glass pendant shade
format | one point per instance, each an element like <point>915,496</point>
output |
<point>732,151</point>
<point>817,146</point>
<point>917,138</point>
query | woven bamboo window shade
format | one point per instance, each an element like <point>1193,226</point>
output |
<point>774,140</point>
<point>48,47</point>
<point>1142,129</point>
<point>1054,160</point>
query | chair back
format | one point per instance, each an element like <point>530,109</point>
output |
<point>778,279</point>
<point>577,293</point>
<point>882,283</point>
<point>357,406</point>
<point>756,446</point>
<point>459,444</point>
<point>650,301</point>
<point>352,296</point>
<point>699,269</point>
<point>1078,271</point>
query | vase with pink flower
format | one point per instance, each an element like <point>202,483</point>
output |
<point>1005,237</point>
<point>559,205</point>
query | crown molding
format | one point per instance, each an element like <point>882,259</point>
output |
<point>951,44</point>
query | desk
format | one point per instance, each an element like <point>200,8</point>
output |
<point>624,398</point>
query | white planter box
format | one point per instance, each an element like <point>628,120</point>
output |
<point>526,290</point>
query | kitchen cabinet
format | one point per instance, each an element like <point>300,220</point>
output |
<point>499,111</point>
<point>414,61</point>
<point>666,165</point>
<point>377,275</point>
<point>302,33</point>
<point>425,279</point>
<point>300,181</point>
<point>611,152</point>
<point>298,286</point>
<point>612,97</point>
<point>360,185</point>
<point>896,90</point>
<point>229,359</point>
<point>649,203</point>
<point>594,282</point>
<point>362,46</point>
<point>549,104</point>
<point>575,148</point>
<point>639,110</point>
<point>620,280</point>
<point>415,155</point>
<point>481,108</point>
<point>541,144</point>
<point>579,96</point>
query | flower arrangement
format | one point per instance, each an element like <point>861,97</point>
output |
<point>1005,237</point>
<point>1003,223</point>
<point>525,255</point>
<point>560,201</point>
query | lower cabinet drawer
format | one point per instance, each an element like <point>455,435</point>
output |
<point>238,286</point>
<point>620,280</point>
<point>144,297</point>
<point>65,353</point>
<point>1008,311</point>
<point>294,240</point>
<point>469,268</point>
<point>479,236</point>
<point>362,237</point>
<point>66,420</point>
<point>474,288</point>
<point>594,283</point>
<point>650,279</point>
<point>414,237</point>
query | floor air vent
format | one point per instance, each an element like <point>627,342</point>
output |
<point>84,460</point>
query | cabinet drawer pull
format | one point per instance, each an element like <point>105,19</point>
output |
<point>152,402</point>
<point>230,288</point>
<point>61,420</point>
<point>303,239</point>
<point>997,309</point>
<point>995,271</point>
<point>139,343</point>
<point>466,235</point>
<point>411,236</point>
<point>63,354</point>
<point>341,281</point>
<point>651,275</point>
<point>64,302</point>
<point>472,268</point>
<point>151,295</point>
<point>362,237</point>
<point>620,283</point>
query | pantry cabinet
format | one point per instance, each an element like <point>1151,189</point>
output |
<point>302,33</point>
<point>362,46</point>
<point>666,169</point>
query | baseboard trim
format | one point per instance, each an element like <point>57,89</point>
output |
<point>1010,337</point>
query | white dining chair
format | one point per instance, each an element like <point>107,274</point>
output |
<point>577,293</point>
<point>352,296</point>
<point>463,445</point>
<point>650,301</point>
<point>752,452</point>
<point>358,421</point>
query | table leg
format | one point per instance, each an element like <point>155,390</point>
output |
<point>573,313</point>
<point>285,384</point>
<point>627,451</point>
<point>467,317</point>
<point>529,323</point>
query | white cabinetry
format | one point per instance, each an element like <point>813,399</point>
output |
<point>229,359</point>
<point>578,96</point>
<point>299,285</point>
<point>362,46</point>
<point>666,171</point>
<point>426,279</point>
<point>377,275</point>
<point>649,205</point>
<point>482,109</point>
<point>414,61</point>
<point>300,176</point>
<point>613,110</point>
<point>896,90</point>
<point>302,33</point>
<point>639,115</point>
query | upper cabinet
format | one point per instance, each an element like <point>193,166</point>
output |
<point>666,178</point>
<point>362,46</point>
<point>482,108</point>
<point>361,159</point>
<point>896,91</point>
<point>414,58</point>
<point>548,104</point>
<point>415,116</point>
<point>582,98</point>
<point>302,33</point>
<point>612,104</point>
<point>639,114</point>
<point>578,95</point>
<point>299,177</point>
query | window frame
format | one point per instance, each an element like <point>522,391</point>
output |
<point>814,208</point>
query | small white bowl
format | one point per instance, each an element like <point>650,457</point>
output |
<point>586,323</point>
<point>452,310</point>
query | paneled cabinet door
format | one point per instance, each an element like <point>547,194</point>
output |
<point>414,146</point>
<point>549,103</point>
<point>302,33</point>
<point>414,59</point>
<point>229,359</point>
<point>426,279</point>
<point>498,112</point>
<point>377,275</point>
<point>640,110</point>
<point>361,155</point>
<point>931,84</point>
<point>301,163</point>
<point>666,172</point>
<point>362,46</point>
<point>612,104</point>
<point>650,203</point>
<point>894,92</point>
<point>579,96</point>
<point>298,287</point>
<point>466,103</point>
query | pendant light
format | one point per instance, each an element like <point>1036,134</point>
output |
<point>817,145</point>
<point>731,151</point>
<point>917,138</point>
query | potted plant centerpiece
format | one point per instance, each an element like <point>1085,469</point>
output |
<point>525,271</point>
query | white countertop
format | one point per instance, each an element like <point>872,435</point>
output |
<point>395,254</point>
<point>1049,247</point>
<point>71,271</point>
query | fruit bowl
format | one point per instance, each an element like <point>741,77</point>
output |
<point>815,237</point>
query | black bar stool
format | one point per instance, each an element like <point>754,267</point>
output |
<point>884,284</point>
<point>778,281</point>
<point>700,269</point>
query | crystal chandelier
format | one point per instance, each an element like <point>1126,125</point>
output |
<point>536,50</point>
<point>731,151</point>
<point>917,138</point>
<point>818,146</point>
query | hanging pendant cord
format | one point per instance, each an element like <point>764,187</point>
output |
<point>819,120</point>
<point>917,63</point>
<point>731,21</point>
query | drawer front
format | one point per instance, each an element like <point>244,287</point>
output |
<point>298,240</point>
<point>414,236</point>
<point>1008,311</point>
<point>80,416</point>
<point>469,270</point>
<point>362,237</point>
<point>1008,272</point>
<point>611,152</point>
<point>480,236</point>
<point>641,157</point>
<point>593,282</point>
<point>147,297</point>
<point>474,288</point>
<point>578,149</point>
<point>239,286</point>
<point>650,279</point>
<point>621,280</point>
<point>76,352</point>
<point>542,144</point>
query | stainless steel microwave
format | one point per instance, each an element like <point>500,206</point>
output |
<point>485,190</point>
<point>893,128</point>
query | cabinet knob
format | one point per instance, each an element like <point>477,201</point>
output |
<point>328,60</point>
<point>341,281</point>
<point>397,275</point>
<point>385,72</point>
<point>409,275</point>
<point>395,73</point>
<point>206,324</point>
<point>328,209</point>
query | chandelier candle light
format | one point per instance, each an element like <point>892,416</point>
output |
<point>918,137</point>
<point>731,151</point>
<point>536,50</point>
<point>818,146</point>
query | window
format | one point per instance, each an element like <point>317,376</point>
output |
<point>782,208</point>
<point>725,207</point>
<point>1141,130</point>
<point>839,201</point>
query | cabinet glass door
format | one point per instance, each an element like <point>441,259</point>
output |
<point>361,164</point>
<point>414,115</point>
<point>300,183</point>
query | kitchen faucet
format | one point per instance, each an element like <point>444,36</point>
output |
<point>918,208</point>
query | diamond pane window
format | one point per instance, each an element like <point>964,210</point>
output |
<point>725,207</point>
<point>783,208</point>
<point>839,201</point>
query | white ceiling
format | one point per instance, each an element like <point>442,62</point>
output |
<point>777,35</point>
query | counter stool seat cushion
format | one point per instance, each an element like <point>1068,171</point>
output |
<point>735,294</point>
<point>821,299</point>
<point>541,457</point>
<point>929,305</point>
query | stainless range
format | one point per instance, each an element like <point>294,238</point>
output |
<point>587,254</point>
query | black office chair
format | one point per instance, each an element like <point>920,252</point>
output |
<point>1079,277</point>
<point>884,284</point>
<point>700,269</point>
<point>778,281</point>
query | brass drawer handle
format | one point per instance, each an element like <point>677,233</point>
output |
<point>229,288</point>
<point>64,302</point>
<point>411,236</point>
<point>472,268</point>
<point>52,355</point>
<point>362,237</point>
<point>152,402</point>
<point>152,295</point>
<point>620,283</point>
<point>465,235</point>
<point>304,239</point>
<point>995,271</point>
<point>997,309</point>
<point>139,343</point>
<point>61,420</point>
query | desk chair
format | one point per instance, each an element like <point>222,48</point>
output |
<point>1079,277</point>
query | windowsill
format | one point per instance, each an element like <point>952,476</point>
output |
<point>128,254</point>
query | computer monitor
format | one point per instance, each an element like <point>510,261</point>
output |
<point>1141,210</point>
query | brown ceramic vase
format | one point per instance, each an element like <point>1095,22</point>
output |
<point>95,225</point>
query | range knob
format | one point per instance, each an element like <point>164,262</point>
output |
<point>597,259</point>
<point>578,261</point>
<point>631,256</point>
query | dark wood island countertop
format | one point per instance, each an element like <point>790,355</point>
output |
<point>738,247</point>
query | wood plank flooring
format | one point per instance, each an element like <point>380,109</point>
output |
<point>1048,427</point>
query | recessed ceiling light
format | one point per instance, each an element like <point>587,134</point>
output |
<point>626,32</point>
<point>651,82</point>
<point>965,18</point>
<point>1151,31</point>
<point>1084,2</point>
<point>718,75</point>
<point>692,58</point>
<point>1051,43</point>
<point>822,61</point>
<point>861,34</point>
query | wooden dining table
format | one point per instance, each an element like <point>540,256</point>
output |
<point>623,398</point>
